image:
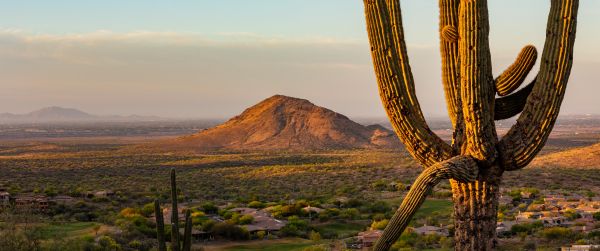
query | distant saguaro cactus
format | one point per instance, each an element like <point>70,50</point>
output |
<point>476,159</point>
<point>160,227</point>
<point>187,236</point>
<point>160,224</point>
<point>175,238</point>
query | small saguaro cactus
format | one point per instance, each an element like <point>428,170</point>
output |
<point>160,224</point>
<point>187,236</point>
<point>175,238</point>
<point>476,159</point>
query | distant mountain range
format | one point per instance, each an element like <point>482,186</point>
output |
<point>60,114</point>
<point>284,123</point>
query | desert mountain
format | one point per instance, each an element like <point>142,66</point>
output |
<point>53,113</point>
<point>285,123</point>
<point>581,157</point>
<point>60,114</point>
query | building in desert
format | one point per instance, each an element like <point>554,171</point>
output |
<point>4,199</point>
<point>31,202</point>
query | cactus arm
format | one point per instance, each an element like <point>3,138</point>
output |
<point>527,137</point>
<point>477,86</point>
<point>451,67</point>
<point>516,73</point>
<point>450,60</point>
<point>461,168</point>
<point>175,239</point>
<point>513,104</point>
<point>160,227</point>
<point>396,86</point>
<point>187,235</point>
<point>448,31</point>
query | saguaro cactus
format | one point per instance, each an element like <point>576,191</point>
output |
<point>160,224</point>
<point>187,236</point>
<point>175,238</point>
<point>477,158</point>
<point>160,227</point>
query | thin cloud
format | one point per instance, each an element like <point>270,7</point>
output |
<point>181,74</point>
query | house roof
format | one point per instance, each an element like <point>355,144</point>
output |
<point>31,197</point>
<point>426,228</point>
<point>266,224</point>
<point>370,235</point>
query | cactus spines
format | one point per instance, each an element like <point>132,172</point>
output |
<point>470,95</point>
<point>160,227</point>
<point>175,238</point>
<point>513,77</point>
<point>187,235</point>
<point>450,34</point>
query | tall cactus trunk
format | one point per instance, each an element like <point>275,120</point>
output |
<point>175,237</point>
<point>187,236</point>
<point>475,215</point>
<point>160,227</point>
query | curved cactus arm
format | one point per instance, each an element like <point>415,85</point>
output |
<point>527,137</point>
<point>513,104</point>
<point>451,67</point>
<point>461,168</point>
<point>516,73</point>
<point>477,86</point>
<point>396,84</point>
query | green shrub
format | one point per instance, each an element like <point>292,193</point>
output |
<point>230,232</point>
<point>314,236</point>
<point>256,204</point>
<point>557,233</point>
<point>316,248</point>
<point>147,210</point>
<point>245,220</point>
<point>108,243</point>
<point>380,225</point>
<point>210,208</point>
<point>527,228</point>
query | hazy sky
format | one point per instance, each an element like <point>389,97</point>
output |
<point>214,58</point>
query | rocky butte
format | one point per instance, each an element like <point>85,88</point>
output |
<point>284,123</point>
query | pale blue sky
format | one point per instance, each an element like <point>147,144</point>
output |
<point>176,58</point>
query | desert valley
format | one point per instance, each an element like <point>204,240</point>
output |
<point>285,174</point>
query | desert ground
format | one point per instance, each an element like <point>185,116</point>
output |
<point>357,188</point>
